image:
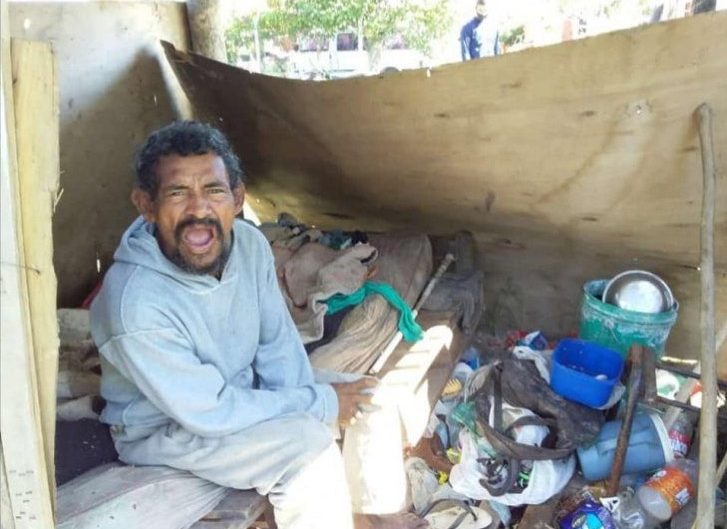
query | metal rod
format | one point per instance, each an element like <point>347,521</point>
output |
<point>721,336</point>
<point>636,355</point>
<point>721,413</point>
<point>686,373</point>
<point>446,262</point>
<point>722,468</point>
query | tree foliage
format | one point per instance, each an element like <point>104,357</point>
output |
<point>512,36</point>
<point>419,22</point>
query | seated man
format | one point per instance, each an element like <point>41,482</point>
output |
<point>203,369</point>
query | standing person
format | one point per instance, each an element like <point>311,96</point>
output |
<point>203,368</point>
<point>479,37</point>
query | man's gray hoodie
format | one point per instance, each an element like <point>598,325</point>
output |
<point>214,356</point>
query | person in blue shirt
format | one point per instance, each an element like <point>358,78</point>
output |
<point>479,37</point>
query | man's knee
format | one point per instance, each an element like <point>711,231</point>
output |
<point>303,440</point>
<point>309,436</point>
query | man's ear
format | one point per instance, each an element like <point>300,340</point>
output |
<point>238,195</point>
<point>144,203</point>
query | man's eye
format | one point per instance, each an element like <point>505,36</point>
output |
<point>176,193</point>
<point>217,190</point>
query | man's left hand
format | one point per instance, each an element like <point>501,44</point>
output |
<point>351,397</point>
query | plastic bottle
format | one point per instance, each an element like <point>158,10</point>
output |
<point>670,489</point>
<point>630,514</point>
<point>680,434</point>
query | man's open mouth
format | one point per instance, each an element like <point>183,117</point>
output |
<point>198,238</point>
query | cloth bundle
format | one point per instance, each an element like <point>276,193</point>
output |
<point>405,263</point>
<point>314,273</point>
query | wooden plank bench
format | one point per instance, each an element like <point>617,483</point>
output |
<point>238,510</point>
<point>106,496</point>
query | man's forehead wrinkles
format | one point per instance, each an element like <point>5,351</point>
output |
<point>184,177</point>
<point>175,185</point>
<point>216,183</point>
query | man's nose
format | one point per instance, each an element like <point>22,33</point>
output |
<point>198,205</point>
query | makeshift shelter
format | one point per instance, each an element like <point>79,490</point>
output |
<point>567,163</point>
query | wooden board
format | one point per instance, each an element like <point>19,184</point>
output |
<point>36,123</point>
<point>20,428</point>
<point>568,162</point>
<point>238,510</point>
<point>418,372</point>
<point>6,510</point>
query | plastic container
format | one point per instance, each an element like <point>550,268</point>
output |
<point>670,489</point>
<point>618,329</point>
<point>585,372</point>
<point>649,448</point>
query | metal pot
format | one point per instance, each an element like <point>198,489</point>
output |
<point>639,291</point>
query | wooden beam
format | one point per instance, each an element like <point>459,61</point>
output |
<point>205,25</point>
<point>35,95</point>
<point>20,430</point>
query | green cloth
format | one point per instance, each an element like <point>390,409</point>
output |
<point>410,329</point>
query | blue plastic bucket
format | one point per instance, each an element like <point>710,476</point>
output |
<point>649,448</point>
<point>585,372</point>
<point>618,329</point>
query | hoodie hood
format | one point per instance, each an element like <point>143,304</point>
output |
<point>139,247</point>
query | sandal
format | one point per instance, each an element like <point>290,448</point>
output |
<point>461,515</point>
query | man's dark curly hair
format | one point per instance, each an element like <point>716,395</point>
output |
<point>185,138</point>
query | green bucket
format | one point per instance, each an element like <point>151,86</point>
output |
<point>614,327</point>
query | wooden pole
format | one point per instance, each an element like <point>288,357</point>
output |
<point>207,28</point>
<point>708,417</point>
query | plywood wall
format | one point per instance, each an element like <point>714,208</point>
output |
<point>115,87</point>
<point>570,162</point>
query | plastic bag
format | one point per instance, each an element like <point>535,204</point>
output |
<point>547,477</point>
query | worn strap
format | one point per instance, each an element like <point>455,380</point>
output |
<point>502,441</point>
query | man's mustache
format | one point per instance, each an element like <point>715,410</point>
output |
<point>197,222</point>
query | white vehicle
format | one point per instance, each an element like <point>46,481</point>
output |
<point>341,57</point>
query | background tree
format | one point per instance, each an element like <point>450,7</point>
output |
<point>418,22</point>
<point>512,37</point>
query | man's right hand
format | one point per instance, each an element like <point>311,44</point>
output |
<point>351,396</point>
